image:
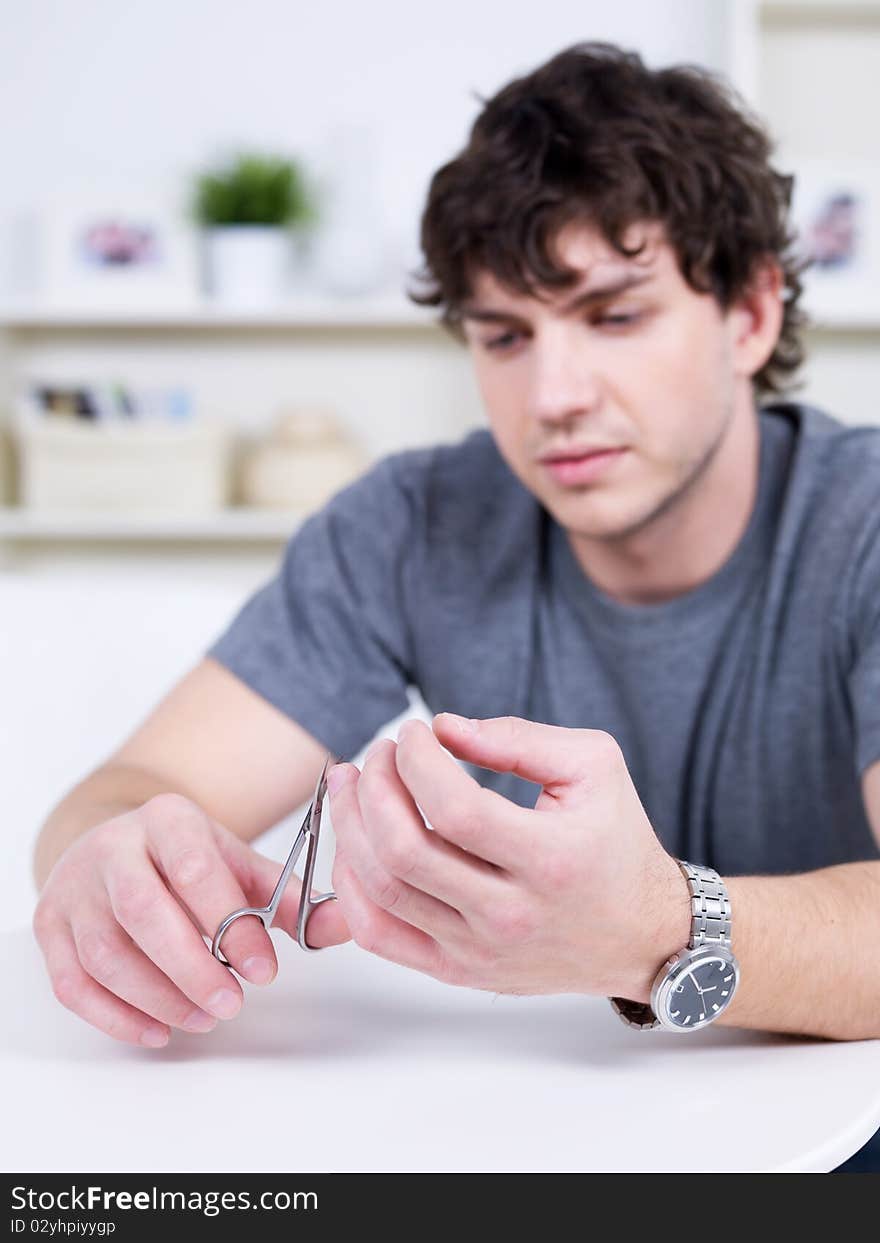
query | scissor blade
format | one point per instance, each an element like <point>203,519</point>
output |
<point>295,852</point>
<point>313,819</point>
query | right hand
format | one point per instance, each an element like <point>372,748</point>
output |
<point>120,918</point>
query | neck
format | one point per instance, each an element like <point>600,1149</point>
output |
<point>687,543</point>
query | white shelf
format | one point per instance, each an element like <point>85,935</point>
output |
<point>831,12</point>
<point>843,321</point>
<point>380,316</point>
<point>389,313</point>
<point>233,524</point>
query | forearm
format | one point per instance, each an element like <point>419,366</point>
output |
<point>807,949</point>
<point>108,792</point>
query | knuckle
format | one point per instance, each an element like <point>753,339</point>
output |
<point>398,853</point>
<point>133,903</point>
<point>41,921</point>
<point>366,935</point>
<point>552,870</point>
<point>66,987</point>
<point>117,1026</point>
<point>191,867</point>
<point>99,955</point>
<point>167,808</point>
<point>518,738</point>
<point>451,971</point>
<point>463,819</point>
<point>604,749</point>
<point>104,838</point>
<point>511,921</point>
<point>378,793</point>
<point>383,889</point>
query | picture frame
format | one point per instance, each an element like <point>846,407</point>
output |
<point>836,215</point>
<point>116,247</point>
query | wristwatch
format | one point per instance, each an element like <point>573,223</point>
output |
<point>696,985</point>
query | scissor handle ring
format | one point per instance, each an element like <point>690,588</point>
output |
<point>308,906</point>
<point>260,911</point>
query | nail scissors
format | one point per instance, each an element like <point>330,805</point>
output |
<point>309,831</point>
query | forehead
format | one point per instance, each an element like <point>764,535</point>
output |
<point>585,249</point>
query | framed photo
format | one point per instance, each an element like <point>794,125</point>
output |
<point>836,212</point>
<point>117,248</point>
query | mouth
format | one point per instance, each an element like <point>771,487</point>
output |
<point>576,468</point>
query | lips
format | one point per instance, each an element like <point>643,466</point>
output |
<point>575,455</point>
<point>586,468</point>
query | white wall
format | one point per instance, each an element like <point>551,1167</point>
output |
<point>148,91</point>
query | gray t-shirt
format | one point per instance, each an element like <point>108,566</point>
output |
<point>746,708</point>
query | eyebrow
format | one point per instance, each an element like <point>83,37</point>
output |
<point>587,298</point>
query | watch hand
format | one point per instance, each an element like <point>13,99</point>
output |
<point>709,990</point>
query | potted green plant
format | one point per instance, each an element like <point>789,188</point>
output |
<point>250,209</point>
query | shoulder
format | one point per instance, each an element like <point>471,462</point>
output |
<point>457,504</point>
<point>461,489</point>
<point>832,503</point>
<point>828,451</point>
<point>832,475</point>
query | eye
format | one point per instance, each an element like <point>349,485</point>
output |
<point>502,342</point>
<point>618,320</point>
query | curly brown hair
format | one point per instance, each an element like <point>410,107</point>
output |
<point>595,136</point>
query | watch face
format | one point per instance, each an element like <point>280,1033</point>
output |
<point>699,991</point>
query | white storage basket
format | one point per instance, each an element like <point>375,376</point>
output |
<point>126,467</point>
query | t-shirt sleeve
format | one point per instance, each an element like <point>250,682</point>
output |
<point>864,677</point>
<point>327,640</point>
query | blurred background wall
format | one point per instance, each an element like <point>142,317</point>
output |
<point>101,609</point>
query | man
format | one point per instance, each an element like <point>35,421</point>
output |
<point>639,598</point>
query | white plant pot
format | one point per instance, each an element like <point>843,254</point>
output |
<point>248,265</point>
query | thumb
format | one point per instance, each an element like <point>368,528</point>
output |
<point>554,756</point>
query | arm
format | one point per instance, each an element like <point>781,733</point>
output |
<point>817,971</point>
<point>211,739</point>
<point>518,901</point>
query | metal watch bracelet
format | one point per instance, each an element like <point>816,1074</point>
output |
<point>710,925</point>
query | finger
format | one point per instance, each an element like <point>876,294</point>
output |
<point>408,851</point>
<point>110,957</point>
<point>79,993</point>
<point>184,844</point>
<point>478,820</point>
<point>155,921</point>
<point>381,933</point>
<point>381,887</point>
<point>564,761</point>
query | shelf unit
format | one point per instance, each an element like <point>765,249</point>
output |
<point>239,524</point>
<point>811,70</point>
<point>385,315</point>
<point>359,357</point>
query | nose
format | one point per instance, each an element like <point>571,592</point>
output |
<point>565,382</point>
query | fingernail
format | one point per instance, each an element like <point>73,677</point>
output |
<point>155,1037</point>
<point>464,723</point>
<point>258,970</point>
<point>199,1021</point>
<point>224,1003</point>
<point>335,778</point>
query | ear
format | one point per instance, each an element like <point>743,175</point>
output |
<point>755,320</point>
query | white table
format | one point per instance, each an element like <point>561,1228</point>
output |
<point>349,1063</point>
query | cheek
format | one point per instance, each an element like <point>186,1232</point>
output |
<point>501,394</point>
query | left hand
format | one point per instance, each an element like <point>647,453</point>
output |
<point>576,895</point>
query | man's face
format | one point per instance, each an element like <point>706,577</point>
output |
<point>646,370</point>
